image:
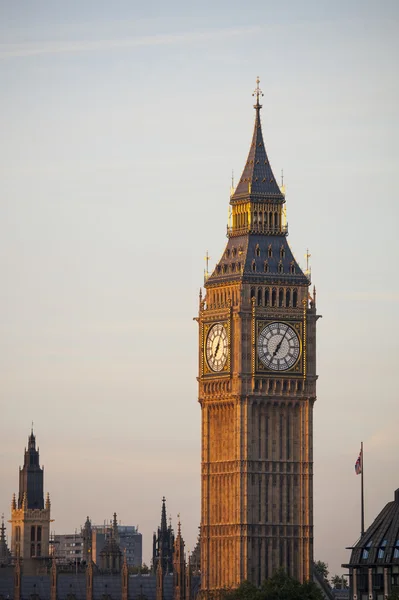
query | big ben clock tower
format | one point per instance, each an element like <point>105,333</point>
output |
<point>257,386</point>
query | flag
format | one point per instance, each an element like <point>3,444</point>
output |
<point>359,463</point>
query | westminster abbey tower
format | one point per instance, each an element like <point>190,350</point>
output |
<point>257,386</point>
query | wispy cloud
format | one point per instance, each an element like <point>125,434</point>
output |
<point>36,49</point>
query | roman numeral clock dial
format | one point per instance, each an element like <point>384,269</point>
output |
<point>216,349</point>
<point>278,346</point>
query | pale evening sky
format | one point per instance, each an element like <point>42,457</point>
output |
<point>120,124</point>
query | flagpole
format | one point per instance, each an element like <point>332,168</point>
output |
<point>362,490</point>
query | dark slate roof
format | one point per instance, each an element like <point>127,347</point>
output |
<point>380,543</point>
<point>236,263</point>
<point>75,585</point>
<point>6,582</point>
<point>257,179</point>
<point>35,584</point>
<point>71,583</point>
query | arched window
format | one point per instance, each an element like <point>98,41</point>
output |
<point>292,268</point>
<point>280,267</point>
<point>282,252</point>
<point>267,298</point>
<point>287,297</point>
<point>275,220</point>
<point>252,292</point>
<point>274,296</point>
<point>260,296</point>
<point>269,251</point>
<point>257,250</point>
<point>32,533</point>
<point>295,298</point>
<point>270,220</point>
<point>281,298</point>
<point>255,217</point>
<point>253,265</point>
<point>266,266</point>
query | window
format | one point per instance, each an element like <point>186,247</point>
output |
<point>267,299</point>
<point>39,533</point>
<point>260,297</point>
<point>266,266</point>
<point>253,265</point>
<point>292,268</point>
<point>257,250</point>
<point>396,551</point>
<point>234,251</point>
<point>366,551</point>
<point>295,298</point>
<point>287,298</point>
<point>274,296</point>
<point>281,298</point>
<point>381,550</point>
<point>282,252</point>
<point>32,534</point>
<point>233,267</point>
<point>280,267</point>
<point>269,251</point>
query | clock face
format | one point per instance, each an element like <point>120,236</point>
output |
<point>278,346</point>
<point>217,347</point>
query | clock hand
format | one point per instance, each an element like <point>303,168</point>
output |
<point>279,344</point>
<point>217,347</point>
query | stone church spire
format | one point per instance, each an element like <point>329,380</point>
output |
<point>31,477</point>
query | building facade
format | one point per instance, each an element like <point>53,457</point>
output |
<point>257,387</point>
<point>68,548</point>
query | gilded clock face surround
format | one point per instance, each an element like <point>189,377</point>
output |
<point>279,346</point>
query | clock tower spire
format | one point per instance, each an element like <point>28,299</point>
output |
<point>257,387</point>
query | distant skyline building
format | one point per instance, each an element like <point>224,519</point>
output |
<point>257,387</point>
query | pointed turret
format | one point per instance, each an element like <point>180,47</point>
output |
<point>163,543</point>
<point>5,554</point>
<point>164,526</point>
<point>13,503</point>
<point>179,566</point>
<point>257,181</point>
<point>31,476</point>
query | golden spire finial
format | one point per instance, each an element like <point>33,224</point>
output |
<point>258,93</point>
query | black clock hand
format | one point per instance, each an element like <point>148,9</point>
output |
<point>217,347</point>
<point>279,344</point>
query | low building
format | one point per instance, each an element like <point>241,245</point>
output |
<point>374,562</point>
<point>68,548</point>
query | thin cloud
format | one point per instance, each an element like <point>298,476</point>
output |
<point>27,50</point>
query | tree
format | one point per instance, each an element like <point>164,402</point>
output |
<point>279,587</point>
<point>394,595</point>
<point>322,568</point>
<point>339,583</point>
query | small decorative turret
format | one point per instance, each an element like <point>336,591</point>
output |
<point>179,566</point>
<point>5,554</point>
<point>48,503</point>
<point>125,578</point>
<point>13,503</point>
<point>25,502</point>
<point>53,579</point>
